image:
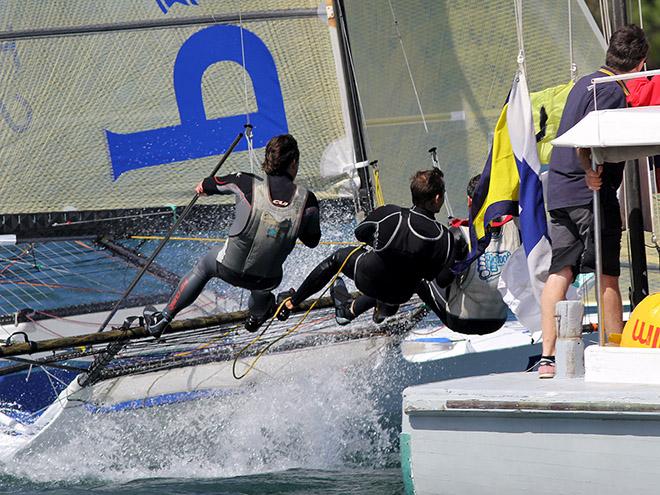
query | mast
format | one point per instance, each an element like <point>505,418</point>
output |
<point>639,283</point>
<point>366,195</point>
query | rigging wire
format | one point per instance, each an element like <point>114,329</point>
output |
<point>405,58</point>
<point>573,66</point>
<point>224,239</point>
<point>252,157</point>
<point>112,219</point>
<point>605,20</point>
<point>517,7</point>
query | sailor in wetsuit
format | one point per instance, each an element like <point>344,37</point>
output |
<point>270,215</point>
<point>404,247</point>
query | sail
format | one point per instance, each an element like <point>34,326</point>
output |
<point>128,105</point>
<point>461,57</point>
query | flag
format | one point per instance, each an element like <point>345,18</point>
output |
<point>511,185</point>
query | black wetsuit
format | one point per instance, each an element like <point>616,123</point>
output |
<point>281,189</point>
<point>405,246</point>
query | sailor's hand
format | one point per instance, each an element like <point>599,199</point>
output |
<point>593,178</point>
<point>200,189</point>
<point>584,155</point>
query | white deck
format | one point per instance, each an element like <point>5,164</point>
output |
<point>526,392</point>
<point>516,434</point>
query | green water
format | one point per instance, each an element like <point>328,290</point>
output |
<point>295,481</point>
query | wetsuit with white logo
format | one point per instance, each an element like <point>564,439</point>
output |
<point>281,191</point>
<point>404,247</point>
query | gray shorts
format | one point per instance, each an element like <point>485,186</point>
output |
<point>572,237</point>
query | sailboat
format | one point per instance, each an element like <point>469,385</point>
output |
<point>147,96</point>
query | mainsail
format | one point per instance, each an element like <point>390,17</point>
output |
<point>122,106</point>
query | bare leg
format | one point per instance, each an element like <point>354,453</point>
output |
<point>612,305</point>
<point>554,291</point>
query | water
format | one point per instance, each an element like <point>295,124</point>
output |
<point>316,433</point>
<point>293,481</point>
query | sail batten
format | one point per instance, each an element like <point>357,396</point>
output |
<point>160,23</point>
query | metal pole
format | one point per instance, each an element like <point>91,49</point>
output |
<point>166,238</point>
<point>366,198</point>
<point>598,256</point>
<point>639,284</point>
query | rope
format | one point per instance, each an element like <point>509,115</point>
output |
<point>293,329</point>
<point>378,190</point>
<point>405,58</point>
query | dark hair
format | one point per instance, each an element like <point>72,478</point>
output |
<point>628,47</point>
<point>281,151</point>
<point>426,185</point>
<point>472,185</point>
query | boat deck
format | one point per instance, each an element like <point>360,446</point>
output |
<point>524,392</point>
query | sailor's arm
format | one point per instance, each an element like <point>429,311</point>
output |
<point>310,226</point>
<point>238,183</point>
<point>370,226</point>
<point>456,250</point>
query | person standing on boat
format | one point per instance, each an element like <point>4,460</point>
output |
<point>404,246</point>
<point>271,213</point>
<point>569,198</point>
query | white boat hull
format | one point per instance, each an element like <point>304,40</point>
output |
<point>516,434</point>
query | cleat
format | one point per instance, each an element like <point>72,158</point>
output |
<point>156,322</point>
<point>342,300</point>
<point>284,312</point>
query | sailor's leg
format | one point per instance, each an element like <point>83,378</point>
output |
<point>433,297</point>
<point>554,291</point>
<point>324,272</point>
<point>612,305</point>
<point>362,304</point>
<point>384,310</point>
<point>192,284</point>
<point>261,306</point>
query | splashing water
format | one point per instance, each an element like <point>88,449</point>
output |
<point>317,421</point>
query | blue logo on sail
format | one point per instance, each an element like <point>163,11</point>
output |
<point>197,136</point>
<point>166,4</point>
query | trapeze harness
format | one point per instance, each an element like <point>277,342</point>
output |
<point>267,238</point>
<point>473,304</point>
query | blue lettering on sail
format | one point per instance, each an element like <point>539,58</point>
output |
<point>489,264</point>
<point>196,136</point>
<point>20,119</point>
<point>166,4</point>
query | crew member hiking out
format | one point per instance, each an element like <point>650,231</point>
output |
<point>404,246</point>
<point>472,304</point>
<point>271,213</point>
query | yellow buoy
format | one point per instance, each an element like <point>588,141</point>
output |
<point>643,327</point>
